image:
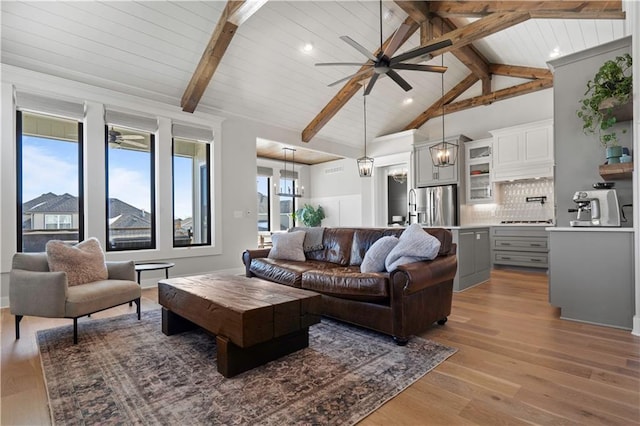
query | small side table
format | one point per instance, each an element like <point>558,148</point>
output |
<point>154,267</point>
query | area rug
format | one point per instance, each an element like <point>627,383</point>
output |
<point>125,371</point>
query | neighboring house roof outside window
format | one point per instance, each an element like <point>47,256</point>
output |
<point>52,203</point>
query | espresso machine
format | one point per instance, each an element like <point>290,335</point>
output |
<point>597,207</point>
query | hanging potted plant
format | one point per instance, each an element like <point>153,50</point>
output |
<point>610,88</point>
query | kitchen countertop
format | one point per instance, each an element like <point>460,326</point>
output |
<point>507,224</point>
<point>587,229</point>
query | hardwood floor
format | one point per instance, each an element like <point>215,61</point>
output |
<point>517,363</point>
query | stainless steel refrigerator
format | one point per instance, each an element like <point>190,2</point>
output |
<point>434,206</point>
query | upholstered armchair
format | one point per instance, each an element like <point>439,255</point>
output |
<point>35,290</point>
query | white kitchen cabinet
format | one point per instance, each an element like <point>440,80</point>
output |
<point>479,185</point>
<point>523,152</point>
<point>426,174</point>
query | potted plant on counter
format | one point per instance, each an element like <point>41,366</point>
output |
<point>610,89</point>
<point>309,215</point>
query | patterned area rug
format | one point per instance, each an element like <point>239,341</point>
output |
<point>126,371</point>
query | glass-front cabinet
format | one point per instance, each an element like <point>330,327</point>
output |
<point>478,171</point>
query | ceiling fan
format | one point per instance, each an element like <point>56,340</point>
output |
<point>385,63</point>
<point>116,138</point>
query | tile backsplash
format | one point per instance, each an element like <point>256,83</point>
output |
<point>511,203</point>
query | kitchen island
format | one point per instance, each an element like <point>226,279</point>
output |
<point>474,255</point>
<point>591,274</point>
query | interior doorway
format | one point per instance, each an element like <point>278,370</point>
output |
<point>396,195</point>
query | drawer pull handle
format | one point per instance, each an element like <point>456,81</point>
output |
<point>506,258</point>
<point>535,245</point>
<point>505,244</point>
<point>536,260</point>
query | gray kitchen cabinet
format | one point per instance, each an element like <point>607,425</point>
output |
<point>591,275</point>
<point>474,261</point>
<point>525,246</point>
<point>426,174</point>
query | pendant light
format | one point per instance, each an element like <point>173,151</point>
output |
<point>285,174</point>
<point>443,154</point>
<point>365,164</point>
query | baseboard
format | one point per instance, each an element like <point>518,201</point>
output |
<point>4,302</point>
<point>636,325</point>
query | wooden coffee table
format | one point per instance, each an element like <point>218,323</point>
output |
<point>255,321</point>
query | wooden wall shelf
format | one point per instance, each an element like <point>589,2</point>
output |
<point>622,112</point>
<point>616,171</point>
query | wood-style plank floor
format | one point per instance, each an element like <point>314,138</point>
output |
<point>517,363</point>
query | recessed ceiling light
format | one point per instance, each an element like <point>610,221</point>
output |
<point>308,47</point>
<point>388,15</point>
<point>555,52</point>
<point>407,101</point>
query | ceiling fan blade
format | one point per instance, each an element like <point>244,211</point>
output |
<point>132,144</point>
<point>396,41</point>
<point>374,77</point>
<point>359,47</point>
<point>132,137</point>
<point>420,51</point>
<point>416,67</point>
<point>360,64</point>
<point>359,73</point>
<point>401,81</point>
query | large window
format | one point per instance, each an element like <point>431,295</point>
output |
<point>263,184</point>
<point>130,189</point>
<point>49,181</point>
<point>191,195</point>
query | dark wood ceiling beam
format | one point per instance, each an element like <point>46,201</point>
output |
<point>347,91</point>
<point>498,95</point>
<point>436,108</point>
<point>521,72</point>
<point>433,26</point>
<point>539,9</point>
<point>233,15</point>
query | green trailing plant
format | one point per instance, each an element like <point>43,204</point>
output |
<point>309,215</point>
<point>612,83</point>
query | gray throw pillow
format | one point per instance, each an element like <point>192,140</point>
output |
<point>287,246</point>
<point>415,245</point>
<point>374,257</point>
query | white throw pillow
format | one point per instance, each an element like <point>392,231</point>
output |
<point>83,263</point>
<point>415,245</point>
<point>288,246</point>
<point>375,257</point>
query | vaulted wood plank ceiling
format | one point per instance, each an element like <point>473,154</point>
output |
<point>496,16</point>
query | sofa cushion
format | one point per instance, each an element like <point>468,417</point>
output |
<point>348,283</point>
<point>375,257</point>
<point>337,246</point>
<point>287,246</point>
<point>414,245</point>
<point>287,272</point>
<point>83,262</point>
<point>312,237</point>
<point>363,239</point>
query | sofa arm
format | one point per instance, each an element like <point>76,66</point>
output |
<point>253,254</point>
<point>41,294</point>
<point>417,276</point>
<point>125,270</point>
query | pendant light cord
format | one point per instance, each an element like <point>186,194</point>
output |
<point>365,124</point>
<point>380,26</point>
<point>442,85</point>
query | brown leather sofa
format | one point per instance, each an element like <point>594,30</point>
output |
<point>402,303</point>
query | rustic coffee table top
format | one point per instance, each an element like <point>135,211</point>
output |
<point>246,310</point>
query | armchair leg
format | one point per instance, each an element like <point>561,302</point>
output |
<point>138,307</point>
<point>18,319</point>
<point>75,331</point>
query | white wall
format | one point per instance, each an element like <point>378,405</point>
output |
<point>336,186</point>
